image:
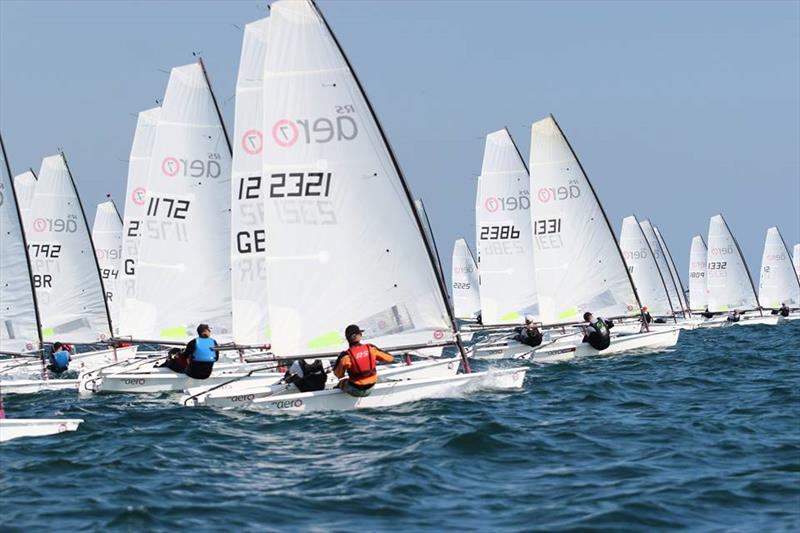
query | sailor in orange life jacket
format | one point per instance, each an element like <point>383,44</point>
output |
<point>360,362</point>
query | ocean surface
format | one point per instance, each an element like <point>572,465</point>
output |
<point>702,438</point>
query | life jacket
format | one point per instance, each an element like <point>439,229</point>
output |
<point>203,350</point>
<point>601,338</point>
<point>362,362</point>
<point>60,360</point>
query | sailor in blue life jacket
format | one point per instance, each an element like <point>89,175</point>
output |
<point>59,359</point>
<point>202,353</point>
<point>734,316</point>
<point>597,332</point>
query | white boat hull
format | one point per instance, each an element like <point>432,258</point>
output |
<point>649,342</point>
<point>83,362</point>
<point>13,428</point>
<point>393,393</point>
<point>768,320</point>
<point>244,392</point>
<point>32,386</point>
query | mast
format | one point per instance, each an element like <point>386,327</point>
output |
<point>216,106</point>
<point>24,243</point>
<point>660,275</point>
<point>677,280</point>
<point>605,217</point>
<point>787,253</point>
<point>439,270</point>
<point>746,268</point>
<point>672,280</point>
<point>406,190</point>
<point>91,244</point>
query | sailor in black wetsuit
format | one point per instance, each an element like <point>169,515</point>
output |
<point>529,334</point>
<point>597,332</point>
<point>783,310</point>
<point>707,313</point>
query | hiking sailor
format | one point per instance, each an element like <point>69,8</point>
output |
<point>529,334</point>
<point>59,359</point>
<point>783,310</point>
<point>597,332</point>
<point>734,316</point>
<point>202,353</point>
<point>359,361</point>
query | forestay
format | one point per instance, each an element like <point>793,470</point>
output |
<point>18,327</point>
<point>466,297</point>
<point>107,237</point>
<point>662,262</point>
<point>503,234</point>
<point>346,245</point>
<point>729,283</point>
<point>248,233</point>
<point>673,272</point>
<point>183,271</point>
<point>698,290</point>
<point>65,271</point>
<point>25,185</point>
<point>579,266</point>
<point>138,167</point>
<point>778,283</point>
<point>648,280</point>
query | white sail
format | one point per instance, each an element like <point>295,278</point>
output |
<point>183,270</point>
<point>107,237</point>
<point>698,288</point>
<point>729,283</point>
<point>25,185</point>
<point>138,168</point>
<point>65,272</point>
<point>466,297</point>
<point>647,278</point>
<point>673,272</point>
<point>504,235</point>
<point>345,244</point>
<point>796,258</point>
<point>579,266</point>
<point>778,283</point>
<point>662,262</point>
<point>248,234</point>
<point>18,329</point>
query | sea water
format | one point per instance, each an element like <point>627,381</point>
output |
<point>704,437</point>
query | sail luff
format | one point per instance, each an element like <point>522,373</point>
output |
<point>673,272</point>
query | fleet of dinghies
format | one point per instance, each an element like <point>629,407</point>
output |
<point>305,210</point>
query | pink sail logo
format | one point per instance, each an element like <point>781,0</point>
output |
<point>138,194</point>
<point>253,142</point>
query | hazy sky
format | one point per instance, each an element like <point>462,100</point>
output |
<point>677,110</point>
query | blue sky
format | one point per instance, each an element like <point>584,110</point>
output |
<point>677,110</point>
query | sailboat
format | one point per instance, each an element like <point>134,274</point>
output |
<point>66,277</point>
<point>345,232</point>
<point>466,296</point>
<point>182,207</point>
<point>698,286</point>
<point>19,316</point>
<point>641,262</point>
<point>778,283</point>
<point>579,265</point>
<point>730,286</point>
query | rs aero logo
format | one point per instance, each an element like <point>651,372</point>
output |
<point>635,254</point>
<point>508,203</point>
<point>463,269</point>
<point>192,168</point>
<point>558,194</point>
<point>722,251</point>
<point>56,225</point>
<point>287,132</point>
